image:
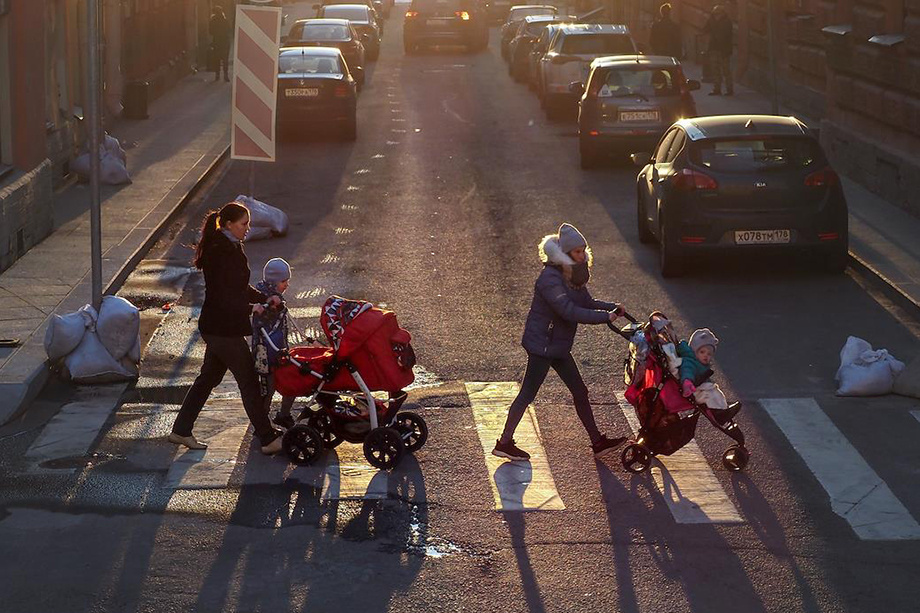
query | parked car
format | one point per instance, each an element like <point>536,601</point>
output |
<point>337,33</point>
<point>515,16</point>
<point>379,8</point>
<point>537,51</point>
<point>362,18</point>
<point>735,183</point>
<point>569,58</point>
<point>316,88</point>
<point>629,101</point>
<point>497,10</point>
<point>450,22</point>
<point>523,41</point>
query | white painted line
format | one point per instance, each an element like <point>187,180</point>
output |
<point>916,415</point>
<point>856,492</point>
<point>77,425</point>
<point>516,486</point>
<point>691,490</point>
<point>349,476</point>
<point>209,468</point>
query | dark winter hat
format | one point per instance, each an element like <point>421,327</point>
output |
<point>570,238</point>
<point>701,337</point>
<point>276,270</point>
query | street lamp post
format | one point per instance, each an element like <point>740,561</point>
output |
<point>94,124</point>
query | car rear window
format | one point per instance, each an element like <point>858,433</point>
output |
<point>324,31</point>
<point>626,81</point>
<point>352,13</point>
<point>598,44</point>
<point>309,64</point>
<point>519,14</point>
<point>756,154</point>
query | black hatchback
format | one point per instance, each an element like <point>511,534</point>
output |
<point>316,89</point>
<point>735,183</point>
<point>445,22</point>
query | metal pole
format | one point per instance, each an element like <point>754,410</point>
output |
<point>252,179</point>
<point>774,103</point>
<point>94,125</point>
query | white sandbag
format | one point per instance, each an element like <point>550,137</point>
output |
<point>258,234</point>
<point>907,383</point>
<point>112,171</point>
<point>134,354</point>
<point>65,332</point>
<point>118,325</point>
<point>864,371</point>
<point>263,215</point>
<point>91,363</point>
<point>111,145</point>
<point>113,168</point>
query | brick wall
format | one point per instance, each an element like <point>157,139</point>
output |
<point>25,212</point>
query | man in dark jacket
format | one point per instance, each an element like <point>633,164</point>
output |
<point>719,29</point>
<point>665,35</point>
<point>219,28</point>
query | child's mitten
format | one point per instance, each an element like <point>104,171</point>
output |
<point>687,388</point>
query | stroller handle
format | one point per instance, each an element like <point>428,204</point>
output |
<point>629,318</point>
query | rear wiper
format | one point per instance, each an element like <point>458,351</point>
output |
<point>631,94</point>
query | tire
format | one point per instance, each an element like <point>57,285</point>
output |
<point>350,130</point>
<point>645,235</point>
<point>384,448</point>
<point>635,458</point>
<point>589,156</point>
<point>736,458</point>
<point>836,260</point>
<point>322,423</point>
<point>302,444</point>
<point>413,429</point>
<point>670,258</point>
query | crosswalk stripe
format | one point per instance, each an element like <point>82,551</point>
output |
<point>209,468</point>
<point>516,486</point>
<point>856,492</point>
<point>916,415</point>
<point>690,488</point>
<point>347,475</point>
<point>72,431</point>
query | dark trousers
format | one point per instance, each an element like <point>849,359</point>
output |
<point>225,353</point>
<point>537,368</point>
<point>721,71</point>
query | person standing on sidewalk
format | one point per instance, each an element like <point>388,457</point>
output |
<point>719,29</point>
<point>665,35</point>
<point>224,324</point>
<point>560,302</point>
<point>219,28</point>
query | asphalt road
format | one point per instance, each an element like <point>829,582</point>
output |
<point>435,212</point>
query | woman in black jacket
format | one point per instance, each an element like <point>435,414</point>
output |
<point>224,322</point>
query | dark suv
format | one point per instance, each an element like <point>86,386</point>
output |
<point>447,22</point>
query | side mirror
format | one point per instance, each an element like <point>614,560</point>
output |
<point>640,159</point>
<point>693,84</point>
<point>577,88</point>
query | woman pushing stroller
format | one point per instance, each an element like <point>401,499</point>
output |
<point>560,302</point>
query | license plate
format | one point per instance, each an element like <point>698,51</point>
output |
<point>439,22</point>
<point>302,92</point>
<point>638,115</point>
<point>762,237</point>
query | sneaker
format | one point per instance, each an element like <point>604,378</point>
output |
<point>510,451</point>
<point>604,445</point>
<point>284,420</point>
<point>189,441</point>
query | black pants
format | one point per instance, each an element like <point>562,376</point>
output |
<point>221,354</point>
<point>537,368</point>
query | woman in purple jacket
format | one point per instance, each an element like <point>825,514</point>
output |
<point>561,301</point>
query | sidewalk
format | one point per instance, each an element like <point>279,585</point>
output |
<point>884,239</point>
<point>168,155</point>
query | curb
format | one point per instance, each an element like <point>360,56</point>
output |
<point>906,300</point>
<point>16,396</point>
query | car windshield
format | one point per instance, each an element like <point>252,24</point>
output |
<point>352,13</point>
<point>756,154</point>
<point>521,13</point>
<point>598,44</point>
<point>324,31</point>
<point>639,80</point>
<point>309,64</point>
<point>431,6</point>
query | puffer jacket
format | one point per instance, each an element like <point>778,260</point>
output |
<point>690,367</point>
<point>557,306</point>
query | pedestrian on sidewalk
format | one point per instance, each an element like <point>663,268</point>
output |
<point>560,302</point>
<point>665,35</point>
<point>224,323</point>
<point>219,28</point>
<point>719,29</point>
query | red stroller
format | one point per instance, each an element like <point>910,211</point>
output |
<point>368,353</point>
<point>667,420</point>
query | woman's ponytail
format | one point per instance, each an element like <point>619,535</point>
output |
<point>230,212</point>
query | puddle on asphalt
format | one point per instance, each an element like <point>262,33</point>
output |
<point>420,543</point>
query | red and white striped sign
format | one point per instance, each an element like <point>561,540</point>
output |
<point>255,83</point>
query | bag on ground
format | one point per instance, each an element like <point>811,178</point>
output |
<point>90,362</point>
<point>864,371</point>
<point>65,332</point>
<point>263,215</point>
<point>118,325</point>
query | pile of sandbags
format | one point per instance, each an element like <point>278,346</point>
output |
<point>96,347</point>
<point>113,163</point>
<point>865,371</point>
<point>265,221</point>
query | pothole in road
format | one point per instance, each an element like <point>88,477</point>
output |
<point>420,543</point>
<point>91,460</point>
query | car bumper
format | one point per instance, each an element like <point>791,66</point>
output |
<point>805,232</point>
<point>315,113</point>
<point>630,140</point>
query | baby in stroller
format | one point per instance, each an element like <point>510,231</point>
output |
<point>695,370</point>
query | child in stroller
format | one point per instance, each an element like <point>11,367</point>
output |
<point>667,419</point>
<point>368,353</point>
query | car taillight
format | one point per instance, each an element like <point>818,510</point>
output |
<point>340,91</point>
<point>822,178</point>
<point>411,14</point>
<point>463,15</point>
<point>689,180</point>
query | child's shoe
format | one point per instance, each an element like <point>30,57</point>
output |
<point>284,420</point>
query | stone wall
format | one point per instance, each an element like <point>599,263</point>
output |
<point>26,215</point>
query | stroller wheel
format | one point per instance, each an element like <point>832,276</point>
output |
<point>413,429</point>
<point>736,458</point>
<point>384,448</point>
<point>302,444</point>
<point>322,423</point>
<point>635,458</point>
